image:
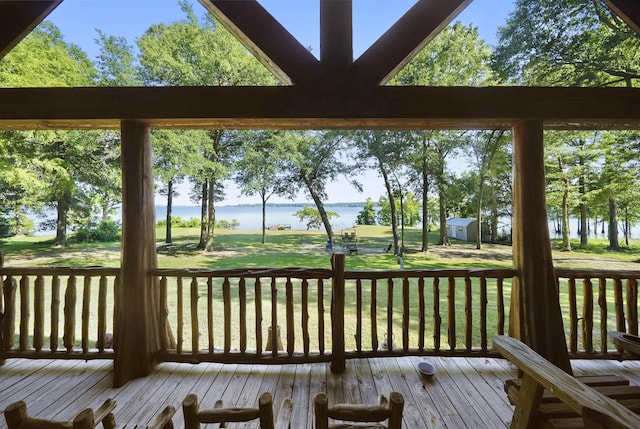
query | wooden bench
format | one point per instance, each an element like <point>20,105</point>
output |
<point>567,402</point>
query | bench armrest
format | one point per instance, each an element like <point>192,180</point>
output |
<point>590,404</point>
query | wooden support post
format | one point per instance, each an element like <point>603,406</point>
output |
<point>337,314</point>
<point>336,38</point>
<point>137,331</point>
<point>535,316</point>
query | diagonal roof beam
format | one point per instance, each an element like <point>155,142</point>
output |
<point>394,49</point>
<point>336,36</point>
<point>628,10</point>
<point>266,38</point>
<point>18,18</point>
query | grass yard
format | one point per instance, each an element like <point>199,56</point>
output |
<point>288,248</point>
<point>235,249</point>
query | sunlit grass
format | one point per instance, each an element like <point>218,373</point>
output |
<point>243,249</point>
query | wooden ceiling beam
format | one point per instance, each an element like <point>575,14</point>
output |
<point>296,107</point>
<point>267,39</point>
<point>336,37</point>
<point>394,49</point>
<point>18,18</point>
<point>628,10</point>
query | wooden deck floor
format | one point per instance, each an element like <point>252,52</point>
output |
<point>464,393</point>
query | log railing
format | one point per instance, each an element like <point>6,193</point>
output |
<point>72,306</point>
<point>595,302</point>
<point>230,315</point>
<point>226,315</point>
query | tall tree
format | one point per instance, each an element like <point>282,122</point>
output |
<point>316,160</point>
<point>195,51</point>
<point>260,168</point>
<point>385,149</point>
<point>43,58</point>
<point>175,155</point>
<point>457,56</point>
<point>574,42</point>
<point>484,146</point>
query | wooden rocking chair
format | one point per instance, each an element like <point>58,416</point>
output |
<point>548,397</point>
<point>193,416</point>
<point>17,418</point>
<point>371,414</point>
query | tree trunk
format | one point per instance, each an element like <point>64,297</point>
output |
<point>264,219</point>
<point>627,226</point>
<point>425,198</point>
<point>584,221</point>
<point>321,210</point>
<point>168,238</point>
<point>203,215</point>
<point>444,237</point>
<point>535,316</point>
<point>613,224</point>
<point>479,213</point>
<point>392,207</point>
<point>61,220</point>
<point>494,215</point>
<point>566,242</point>
<point>211,217</point>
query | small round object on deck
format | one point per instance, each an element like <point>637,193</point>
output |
<point>426,368</point>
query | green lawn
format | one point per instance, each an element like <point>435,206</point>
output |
<point>235,249</point>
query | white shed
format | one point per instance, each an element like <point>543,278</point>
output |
<point>466,229</point>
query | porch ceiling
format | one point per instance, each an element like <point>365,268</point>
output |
<point>299,107</point>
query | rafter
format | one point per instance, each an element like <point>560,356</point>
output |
<point>18,18</point>
<point>267,39</point>
<point>394,49</point>
<point>389,107</point>
<point>628,10</point>
<point>336,37</point>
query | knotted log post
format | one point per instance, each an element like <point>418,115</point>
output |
<point>535,316</point>
<point>137,332</point>
<point>338,363</point>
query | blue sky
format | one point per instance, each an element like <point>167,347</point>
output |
<point>79,19</point>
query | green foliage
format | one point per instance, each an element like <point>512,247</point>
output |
<point>312,217</point>
<point>410,212</point>
<point>225,224</point>
<point>107,230</point>
<point>367,215</point>
<point>571,43</point>
<point>179,222</point>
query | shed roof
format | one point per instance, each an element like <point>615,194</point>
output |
<point>460,221</point>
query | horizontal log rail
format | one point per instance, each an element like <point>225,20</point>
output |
<point>52,300</point>
<point>231,315</point>
<point>219,315</point>
<point>608,301</point>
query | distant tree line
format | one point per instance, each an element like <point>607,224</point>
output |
<point>592,176</point>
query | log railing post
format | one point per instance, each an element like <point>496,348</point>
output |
<point>337,313</point>
<point>535,315</point>
<point>137,332</point>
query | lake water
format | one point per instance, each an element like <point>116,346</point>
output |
<point>250,217</point>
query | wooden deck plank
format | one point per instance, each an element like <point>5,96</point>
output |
<point>390,377</point>
<point>317,384</point>
<point>84,389</point>
<point>479,392</point>
<point>465,392</point>
<point>300,394</point>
